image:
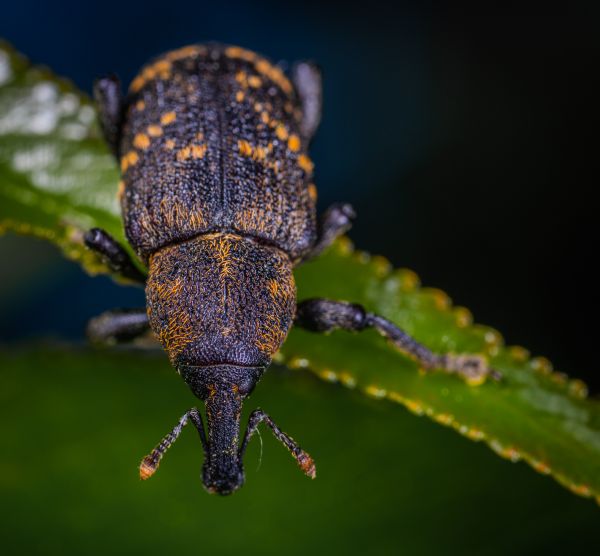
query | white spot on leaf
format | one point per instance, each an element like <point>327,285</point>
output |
<point>5,69</point>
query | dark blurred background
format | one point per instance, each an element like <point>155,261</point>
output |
<point>460,140</point>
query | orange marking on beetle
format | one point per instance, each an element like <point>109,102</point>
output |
<point>244,147</point>
<point>198,151</point>
<point>265,118</point>
<point>273,287</point>
<point>239,96</point>
<point>184,153</point>
<point>191,151</point>
<point>170,144</point>
<point>305,163</point>
<point>254,81</point>
<point>282,293</point>
<point>312,192</point>
<point>265,68</point>
<point>281,132</point>
<point>168,118</point>
<point>140,105</point>
<point>169,289</point>
<point>242,78</point>
<point>137,83</point>
<point>294,143</point>
<point>128,160</point>
<point>121,190</point>
<point>173,213</point>
<point>161,69</point>
<point>185,52</point>
<point>154,130</point>
<point>240,53</point>
<point>223,257</point>
<point>260,153</point>
<point>196,219</point>
<point>177,334</point>
<point>141,141</point>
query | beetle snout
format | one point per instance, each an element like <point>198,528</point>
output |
<point>222,481</point>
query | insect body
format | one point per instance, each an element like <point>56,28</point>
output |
<point>218,201</point>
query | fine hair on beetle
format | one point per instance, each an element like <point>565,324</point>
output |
<point>218,202</point>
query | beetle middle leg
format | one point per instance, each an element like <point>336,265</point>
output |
<point>334,222</point>
<point>325,315</point>
<point>119,325</point>
<point>117,258</point>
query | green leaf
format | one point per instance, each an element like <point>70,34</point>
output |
<point>534,413</point>
<point>75,424</point>
<point>56,181</point>
<point>58,178</point>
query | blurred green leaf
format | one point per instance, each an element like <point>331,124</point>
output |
<point>57,180</point>
<point>534,413</point>
<point>75,424</point>
<point>57,175</point>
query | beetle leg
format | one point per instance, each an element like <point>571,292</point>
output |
<point>334,222</point>
<point>117,326</point>
<point>117,258</point>
<point>109,98</point>
<point>305,462</point>
<point>307,80</point>
<point>151,462</point>
<point>324,315</point>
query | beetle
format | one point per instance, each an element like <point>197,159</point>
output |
<point>218,202</point>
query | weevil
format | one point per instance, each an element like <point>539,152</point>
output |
<point>218,201</point>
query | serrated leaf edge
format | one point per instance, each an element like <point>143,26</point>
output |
<point>382,268</point>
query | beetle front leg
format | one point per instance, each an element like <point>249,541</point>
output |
<point>325,315</point>
<point>116,257</point>
<point>334,222</point>
<point>109,98</point>
<point>119,325</point>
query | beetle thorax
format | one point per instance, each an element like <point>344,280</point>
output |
<point>220,299</point>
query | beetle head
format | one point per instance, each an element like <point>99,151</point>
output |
<point>223,389</point>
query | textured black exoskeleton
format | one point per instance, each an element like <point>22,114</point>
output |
<point>218,202</point>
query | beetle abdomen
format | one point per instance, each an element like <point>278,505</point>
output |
<point>211,143</point>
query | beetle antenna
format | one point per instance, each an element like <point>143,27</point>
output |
<point>150,463</point>
<point>260,454</point>
<point>304,460</point>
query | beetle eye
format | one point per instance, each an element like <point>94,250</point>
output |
<point>246,386</point>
